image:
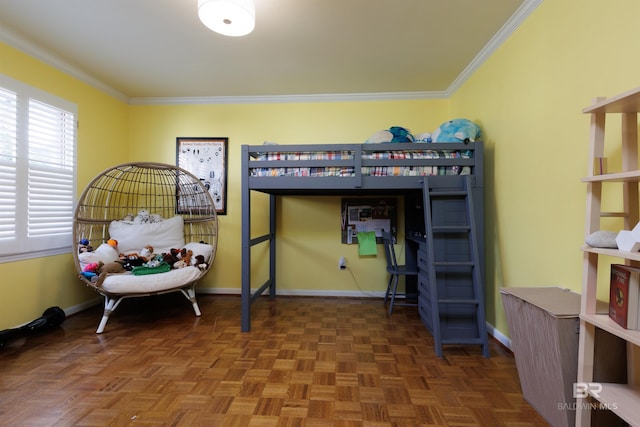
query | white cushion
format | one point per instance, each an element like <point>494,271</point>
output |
<point>162,235</point>
<point>127,283</point>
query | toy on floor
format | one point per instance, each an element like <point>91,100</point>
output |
<point>52,317</point>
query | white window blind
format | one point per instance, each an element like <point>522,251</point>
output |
<point>37,171</point>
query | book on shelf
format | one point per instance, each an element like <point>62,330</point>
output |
<point>624,296</point>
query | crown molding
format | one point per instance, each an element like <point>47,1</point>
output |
<point>525,9</point>
<point>15,41</point>
<point>274,99</point>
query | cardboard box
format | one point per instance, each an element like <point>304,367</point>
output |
<point>544,328</point>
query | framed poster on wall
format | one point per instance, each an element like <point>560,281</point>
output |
<point>206,158</point>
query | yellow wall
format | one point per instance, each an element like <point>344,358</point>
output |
<point>29,287</point>
<point>528,97</point>
<point>308,227</point>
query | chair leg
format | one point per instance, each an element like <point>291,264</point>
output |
<point>386,295</point>
<point>190,294</point>
<point>393,292</point>
<point>110,305</point>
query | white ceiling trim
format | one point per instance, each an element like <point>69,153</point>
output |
<point>275,99</point>
<point>507,29</point>
<point>496,41</point>
<point>38,53</point>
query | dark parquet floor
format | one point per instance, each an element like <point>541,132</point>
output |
<point>306,362</point>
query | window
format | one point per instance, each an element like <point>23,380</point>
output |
<point>37,172</point>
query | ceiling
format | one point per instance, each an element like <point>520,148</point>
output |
<point>151,49</point>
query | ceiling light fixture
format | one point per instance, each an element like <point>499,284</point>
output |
<point>228,17</point>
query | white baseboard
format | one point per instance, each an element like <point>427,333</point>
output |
<point>296,292</point>
<point>82,306</point>
<point>499,336</point>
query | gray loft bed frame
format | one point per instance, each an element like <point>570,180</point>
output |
<point>358,184</point>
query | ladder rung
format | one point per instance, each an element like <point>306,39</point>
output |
<point>454,263</point>
<point>450,228</point>
<point>459,301</point>
<point>438,193</point>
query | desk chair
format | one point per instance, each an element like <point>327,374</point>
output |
<point>395,271</point>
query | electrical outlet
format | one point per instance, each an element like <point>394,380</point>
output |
<point>342,263</point>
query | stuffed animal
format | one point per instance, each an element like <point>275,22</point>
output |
<point>175,257</point>
<point>423,137</point>
<point>90,270</point>
<point>144,217</point>
<point>147,252</point>
<point>394,134</point>
<point>113,243</point>
<point>84,246</point>
<point>131,260</point>
<point>185,259</point>
<point>201,263</point>
<point>104,270</point>
<point>170,257</point>
<point>457,130</point>
<point>92,267</point>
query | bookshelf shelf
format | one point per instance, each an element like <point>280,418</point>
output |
<point>616,396</point>
<point>603,322</point>
<point>632,256</point>
<point>630,176</point>
<point>621,399</point>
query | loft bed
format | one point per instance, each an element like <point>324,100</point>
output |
<point>342,169</point>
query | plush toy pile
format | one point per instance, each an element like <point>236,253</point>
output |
<point>456,130</point>
<point>107,259</point>
<point>143,263</point>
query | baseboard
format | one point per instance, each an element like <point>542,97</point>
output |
<point>499,336</point>
<point>295,292</point>
<point>82,306</point>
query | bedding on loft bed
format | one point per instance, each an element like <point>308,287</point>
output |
<point>381,160</point>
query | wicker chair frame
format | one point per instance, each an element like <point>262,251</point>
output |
<point>162,189</point>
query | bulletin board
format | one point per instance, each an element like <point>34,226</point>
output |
<point>370,214</point>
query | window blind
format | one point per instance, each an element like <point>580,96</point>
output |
<point>37,171</point>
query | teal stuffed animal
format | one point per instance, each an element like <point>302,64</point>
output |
<point>394,134</point>
<point>400,134</point>
<point>457,130</point>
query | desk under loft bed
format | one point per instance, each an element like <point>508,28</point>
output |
<point>357,170</point>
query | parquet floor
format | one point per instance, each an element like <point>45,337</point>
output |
<point>306,362</point>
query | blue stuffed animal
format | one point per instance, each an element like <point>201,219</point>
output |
<point>394,134</point>
<point>457,130</point>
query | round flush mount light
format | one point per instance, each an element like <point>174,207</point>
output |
<point>228,17</point>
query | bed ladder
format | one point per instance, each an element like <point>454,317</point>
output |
<point>454,276</point>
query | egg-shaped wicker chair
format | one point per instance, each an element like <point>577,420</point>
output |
<point>154,207</point>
